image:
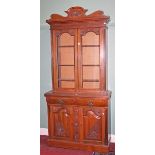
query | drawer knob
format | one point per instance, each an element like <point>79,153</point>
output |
<point>59,101</point>
<point>90,103</point>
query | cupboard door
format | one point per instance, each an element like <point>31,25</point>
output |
<point>65,59</point>
<point>91,58</point>
<point>60,118</point>
<point>93,125</point>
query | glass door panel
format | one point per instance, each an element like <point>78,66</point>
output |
<point>91,56</point>
<point>90,39</point>
<point>66,56</point>
<point>90,64</point>
<point>66,60</point>
<point>89,85</point>
<point>66,40</point>
<point>67,84</point>
<point>91,73</point>
<point>66,72</point>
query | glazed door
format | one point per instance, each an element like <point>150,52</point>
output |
<point>91,56</point>
<point>65,62</point>
<point>93,125</point>
<point>79,59</point>
<point>60,118</point>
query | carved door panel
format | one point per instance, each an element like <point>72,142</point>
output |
<point>93,125</point>
<point>60,121</point>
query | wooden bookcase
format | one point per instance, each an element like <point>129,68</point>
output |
<point>78,105</point>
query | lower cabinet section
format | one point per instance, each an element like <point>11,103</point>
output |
<point>78,122</point>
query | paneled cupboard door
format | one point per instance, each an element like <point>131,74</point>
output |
<point>60,122</point>
<point>65,63</point>
<point>93,124</point>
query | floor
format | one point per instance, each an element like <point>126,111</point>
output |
<point>45,150</point>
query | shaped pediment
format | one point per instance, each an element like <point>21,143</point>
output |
<point>78,14</point>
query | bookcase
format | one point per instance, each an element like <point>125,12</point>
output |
<point>78,104</point>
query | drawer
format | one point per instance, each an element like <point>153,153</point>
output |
<point>60,100</point>
<point>92,101</point>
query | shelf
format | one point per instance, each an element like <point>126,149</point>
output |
<point>66,65</point>
<point>90,80</point>
<point>66,80</point>
<point>90,45</point>
<point>90,65</point>
<point>66,46</point>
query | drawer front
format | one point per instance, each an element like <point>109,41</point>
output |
<point>92,101</point>
<point>60,100</point>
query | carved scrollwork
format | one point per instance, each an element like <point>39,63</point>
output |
<point>76,124</point>
<point>60,131</point>
<point>62,117</point>
<point>93,132</point>
<point>58,109</point>
<point>94,112</point>
<point>78,14</point>
<point>76,11</point>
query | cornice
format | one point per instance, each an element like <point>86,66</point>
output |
<point>46,26</point>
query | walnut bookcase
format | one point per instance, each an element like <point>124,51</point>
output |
<point>78,105</point>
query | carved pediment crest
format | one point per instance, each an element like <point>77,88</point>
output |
<point>78,14</point>
<point>76,11</point>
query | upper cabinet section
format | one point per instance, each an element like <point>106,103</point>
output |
<point>79,50</point>
<point>76,17</point>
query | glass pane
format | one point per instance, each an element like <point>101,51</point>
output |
<point>66,56</point>
<point>90,73</point>
<point>66,72</point>
<point>67,84</point>
<point>91,85</point>
<point>90,39</point>
<point>90,55</point>
<point>66,39</point>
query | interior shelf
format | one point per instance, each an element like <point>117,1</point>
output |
<point>66,46</point>
<point>65,65</point>
<point>90,45</point>
<point>90,65</point>
<point>66,80</point>
<point>95,80</point>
